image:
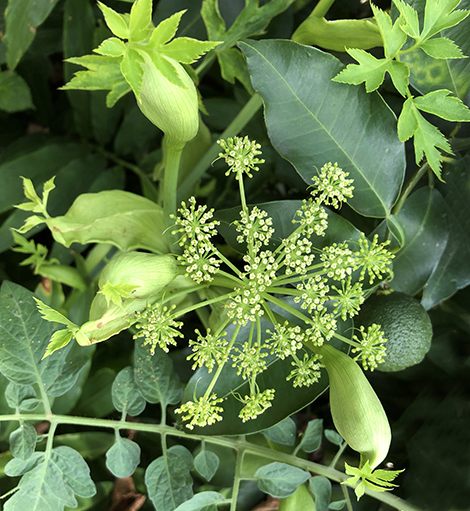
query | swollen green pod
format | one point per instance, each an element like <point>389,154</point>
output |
<point>357,413</point>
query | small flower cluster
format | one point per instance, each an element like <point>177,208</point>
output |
<point>196,228</point>
<point>241,155</point>
<point>306,371</point>
<point>371,347</point>
<point>255,227</point>
<point>159,327</point>
<point>285,340</point>
<point>256,404</point>
<point>208,350</point>
<point>201,412</point>
<point>349,298</point>
<point>332,186</point>
<point>249,360</point>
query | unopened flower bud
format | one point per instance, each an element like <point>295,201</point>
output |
<point>172,108</point>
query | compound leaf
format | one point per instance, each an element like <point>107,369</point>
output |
<point>123,457</point>
<point>279,479</point>
<point>441,104</point>
<point>126,395</point>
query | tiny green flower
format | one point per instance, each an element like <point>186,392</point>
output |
<point>256,404</point>
<point>158,327</point>
<point>240,154</point>
<point>249,360</point>
<point>374,258</point>
<point>337,261</point>
<point>312,217</point>
<point>201,262</point>
<point>314,293</point>
<point>371,350</point>
<point>255,227</point>
<point>285,340</point>
<point>208,350</point>
<point>332,185</point>
<point>201,412</point>
<point>298,256</point>
<point>322,329</point>
<point>349,299</point>
<point>306,372</point>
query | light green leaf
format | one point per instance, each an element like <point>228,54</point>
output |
<point>320,487</point>
<point>116,22</point>
<point>187,50</point>
<point>279,479</point>
<point>17,467</point>
<point>112,47</point>
<point>283,433</point>
<point>126,395</point>
<point>16,395</point>
<point>441,48</point>
<point>22,18</point>
<point>23,442</point>
<point>75,470</point>
<point>166,30</point>
<point>14,93</point>
<point>407,122</point>
<point>439,103</point>
<point>206,463</point>
<point>337,504</point>
<point>166,67</point>
<point>103,73</point>
<point>334,437</point>
<point>131,69</point>
<point>155,377</point>
<point>168,478</point>
<point>123,219</point>
<point>441,15</point>
<point>409,21</point>
<point>123,457</point>
<point>311,438</point>
<point>50,314</point>
<point>393,37</point>
<point>369,70</point>
<point>204,501</point>
<point>427,140</point>
<point>399,73</point>
<point>288,77</point>
<point>140,24</point>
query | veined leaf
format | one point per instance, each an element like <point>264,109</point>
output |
<point>392,35</point>
<point>187,50</point>
<point>16,395</point>
<point>140,23</point>
<point>126,395</point>
<point>23,441</point>
<point>112,47</point>
<point>168,478</point>
<point>279,479</point>
<point>166,30</point>
<point>123,457</point>
<point>439,103</point>
<point>283,433</point>
<point>320,487</point>
<point>441,15</point>
<point>310,120</point>
<point>409,18</point>
<point>116,22</point>
<point>311,439</point>
<point>206,463</point>
<point>204,501</point>
<point>441,48</point>
<point>14,92</point>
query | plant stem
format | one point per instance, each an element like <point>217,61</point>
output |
<point>409,188</point>
<point>240,121</point>
<point>344,488</point>
<point>322,8</point>
<point>170,181</point>
<point>237,478</point>
<point>338,454</point>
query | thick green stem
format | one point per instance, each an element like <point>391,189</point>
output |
<point>409,188</point>
<point>322,8</point>
<point>237,479</point>
<point>240,121</point>
<point>170,181</point>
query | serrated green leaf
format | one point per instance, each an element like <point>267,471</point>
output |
<point>123,457</point>
<point>393,37</point>
<point>166,30</point>
<point>441,48</point>
<point>187,50</point>
<point>407,122</point>
<point>441,104</point>
<point>15,95</point>
<point>399,73</point>
<point>283,433</point>
<point>427,140</point>
<point>22,18</point>
<point>320,487</point>
<point>279,72</point>
<point>279,479</point>
<point>17,394</point>
<point>155,377</point>
<point>116,22</point>
<point>206,463</point>
<point>204,501</point>
<point>75,470</point>
<point>312,436</point>
<point>59,340</point>
<point>333,437</point>
<point>441,15</point>
<point>104,73</point>
<point>50,314</point>
<point>131,69</point>
<point>23,442</point>
<point>409,21</point>
<point>112,47</point>
<point>126,395</point>
<point>168,478</point>
<point>140,24</point>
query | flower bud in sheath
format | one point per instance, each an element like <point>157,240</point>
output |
<point>173,108</point>
<point>357,413</point>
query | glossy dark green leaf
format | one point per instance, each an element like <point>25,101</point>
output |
<point>155,377</point>
<point>283,433</point>
<point>453,270</point>
<point>320,487</point>
<point>22,18</point>
<point>206,463</point>
<point>312,120</point>
<point>23,441</point>
<point>126,395</point>
<point>287,400</point>
<point>282,213</point>
<point>397,229</point>
<point>123,457</point>
<point>311,439</point>
<point>428,74</point>
<point>279,479</point>
<point>424,218</point>
<point>168,479</point>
